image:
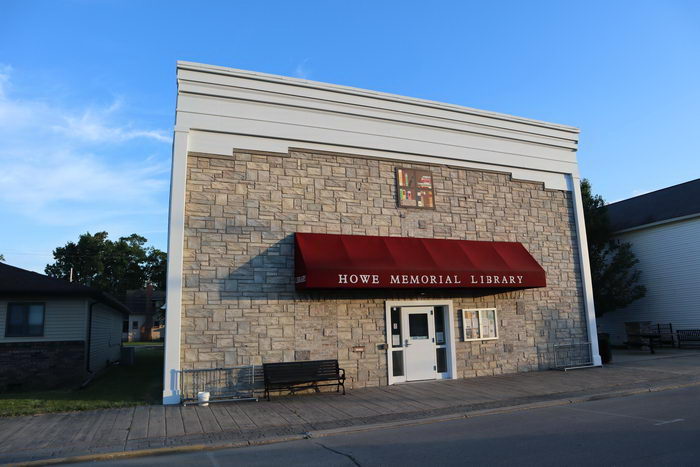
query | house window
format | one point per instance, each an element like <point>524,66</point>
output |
<point>25,320</point>
<point>125,326</point>
<point>414,188</point>
<point>480,324</point>
<point>135,325</point>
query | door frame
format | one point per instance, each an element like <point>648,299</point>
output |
<point>450,337</point>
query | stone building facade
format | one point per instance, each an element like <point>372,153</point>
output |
<point>240,306</point>
<point>261,162</point>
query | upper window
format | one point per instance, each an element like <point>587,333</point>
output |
<point>414,188</point>
<point>24,320</point>
<point>480,324</point>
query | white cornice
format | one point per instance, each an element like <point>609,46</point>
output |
<point>302,83</point>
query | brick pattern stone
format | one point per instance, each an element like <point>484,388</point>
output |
<point>239,302</point>
<point>42,365</point>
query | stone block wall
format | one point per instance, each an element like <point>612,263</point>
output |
<point>239,301</point>
<point>42,365</point>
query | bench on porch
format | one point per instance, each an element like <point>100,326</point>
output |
<point>295,376</point>
<point>688,335</point>
<point>666,334</point>
<point>643,333</point>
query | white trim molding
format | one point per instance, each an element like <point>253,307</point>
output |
<point>585,266</point>
<point>176,238</point>
<point>287,87</point>
<point>206,142</point>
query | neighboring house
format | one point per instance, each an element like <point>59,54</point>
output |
<point>146,320</point>
<point>52,332</point>
<point>664,229</point>
<point>407,239</point>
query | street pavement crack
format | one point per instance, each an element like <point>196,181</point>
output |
<point>354,461</point>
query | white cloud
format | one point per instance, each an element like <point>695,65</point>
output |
<point>5,71</point>
<point>66,188</point>
<point>62,165</point>
<point>301,70</point>
<point>91,126</point>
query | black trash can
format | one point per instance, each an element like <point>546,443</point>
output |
<point>604,347</point>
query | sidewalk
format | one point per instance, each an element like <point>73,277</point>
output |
<point>41,437</point>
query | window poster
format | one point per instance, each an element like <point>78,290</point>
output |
<point>488,322</point>
<point>471,324</point>
<point>439,337</point>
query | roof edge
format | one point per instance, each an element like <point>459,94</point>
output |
<point>652,192</point>
<point>69,289</point>
<point>281,79</point>
<point>670,220</point>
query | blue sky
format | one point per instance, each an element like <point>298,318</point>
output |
<point>87,89</point>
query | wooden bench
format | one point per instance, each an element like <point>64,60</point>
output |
<point>295,376</point>
<point>641,340</point>
<point>688,335</point>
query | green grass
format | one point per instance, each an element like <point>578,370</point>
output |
<point>141,344</point>
<point>118,386</point>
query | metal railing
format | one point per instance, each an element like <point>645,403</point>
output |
<point>223,384</point>
<point>566,356</point>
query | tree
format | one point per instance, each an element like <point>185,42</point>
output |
<point>156,267</point>
<point>110,266</point>
<point>2,258</point>
<point>615,278</point>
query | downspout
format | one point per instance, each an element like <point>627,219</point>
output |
<point>89,337</point>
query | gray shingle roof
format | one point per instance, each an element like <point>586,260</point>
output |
<point>668,203</point>
<point>19,282</point>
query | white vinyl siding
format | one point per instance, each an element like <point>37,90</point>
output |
<point>134,334</point>
<point>105,337</point>
<point>64,319</point>
<point>669,258</point>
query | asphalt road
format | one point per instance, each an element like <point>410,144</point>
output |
<point>660,428</point>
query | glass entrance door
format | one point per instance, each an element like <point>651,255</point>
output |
<point>419,343</point>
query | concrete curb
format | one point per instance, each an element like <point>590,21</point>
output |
<point>155,451</point>
<point>349,429</point>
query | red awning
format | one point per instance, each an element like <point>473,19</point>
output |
<point>360,261</point>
